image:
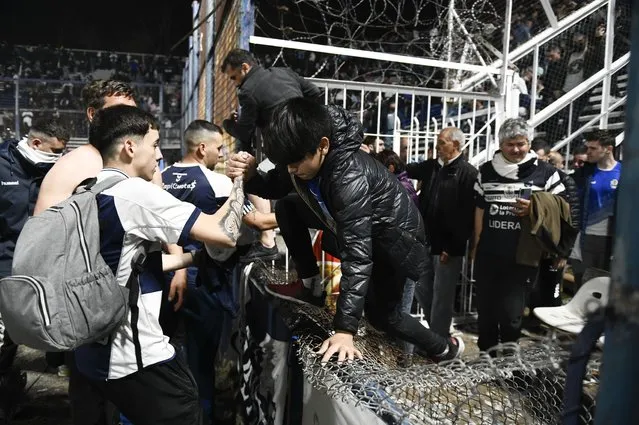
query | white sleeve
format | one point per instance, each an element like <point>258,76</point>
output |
<point>221,184</point>
<point>149,212</point>
<point>554,184</point>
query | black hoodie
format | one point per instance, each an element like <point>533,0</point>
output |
<point>373,215</point>
<point>19,187</point>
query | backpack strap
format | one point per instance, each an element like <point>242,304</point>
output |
<point>99,187</point>
<point>137,267</point>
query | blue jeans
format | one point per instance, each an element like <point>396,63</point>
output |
<point>437,295</point>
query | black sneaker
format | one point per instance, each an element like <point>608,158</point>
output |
<point>455,349</point>
<point>259,252</point>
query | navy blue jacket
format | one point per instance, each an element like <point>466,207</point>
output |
<point>19,187</point>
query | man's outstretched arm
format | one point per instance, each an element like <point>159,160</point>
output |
<point>222,229</point>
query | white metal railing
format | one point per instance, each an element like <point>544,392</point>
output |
<point>381,56</point>
<point>579,90</point>
<point>582,129</point>
<point>420,130</point>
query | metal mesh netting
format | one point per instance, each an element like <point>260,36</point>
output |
<point>519,384</point>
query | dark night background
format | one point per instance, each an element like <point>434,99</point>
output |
<point>145,26</point>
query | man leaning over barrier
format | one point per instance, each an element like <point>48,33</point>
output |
<point>379,231</point>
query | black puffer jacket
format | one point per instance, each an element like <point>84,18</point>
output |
<point>571,195</point>
<point>373,215</point>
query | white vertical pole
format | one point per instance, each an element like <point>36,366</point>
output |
<point>506,44</point>
<point>210,64</point>
<point>16,94</point>
<point>449,56</point>
<point>533,85</point>
<point>610,39</point>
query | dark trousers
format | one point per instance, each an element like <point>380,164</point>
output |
<point>596,253</point>
<point>88,405</point>
<point>385,288</point>
<point>206,322</point>
<point>547,291</point>
<point>164,393</point>
<point>294,218</point>
<point>7,353</point>
<point>502,287</point>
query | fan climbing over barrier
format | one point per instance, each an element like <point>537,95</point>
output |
<point>512,384</point>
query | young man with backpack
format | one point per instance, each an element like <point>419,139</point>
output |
<point>137,369</point>
<point>87,407</point>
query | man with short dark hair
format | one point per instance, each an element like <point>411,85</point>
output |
<point>88,406</point>
<point>579,157</point>
<point>138,369</point>
<point>23,165</point>
<point>259,91</point>
<point>541,148</point>
<point>207,312</point>
<point>352,197</point>
<point>597,183</point>
<point>84,162</point>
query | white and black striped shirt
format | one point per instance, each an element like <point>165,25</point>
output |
<point>499,185</point>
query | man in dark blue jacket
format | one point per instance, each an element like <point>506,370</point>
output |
<point>23,165</point>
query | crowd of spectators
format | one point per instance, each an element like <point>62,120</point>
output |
<point>51,79</point>
<point>565,61</point>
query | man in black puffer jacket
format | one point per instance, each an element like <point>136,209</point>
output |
<point>379,230</point>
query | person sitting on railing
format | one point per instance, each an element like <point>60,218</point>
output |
<point>379,232</point>
<point>259,92</point>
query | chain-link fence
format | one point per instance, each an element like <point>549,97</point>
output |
<point>511,384</point>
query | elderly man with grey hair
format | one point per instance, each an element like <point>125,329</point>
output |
<point>504,188</point>
<point>447,203</point>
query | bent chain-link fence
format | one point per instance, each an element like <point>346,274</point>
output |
<point>513,384</point>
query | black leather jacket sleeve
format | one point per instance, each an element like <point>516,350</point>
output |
<point>353,212</point>
<point>309,90</point>
<point>275,184</point>
<point>244,128</point>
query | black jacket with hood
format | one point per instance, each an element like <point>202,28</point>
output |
<point>19,187</point>
<point>260,92</point>
<point>373,215</point>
